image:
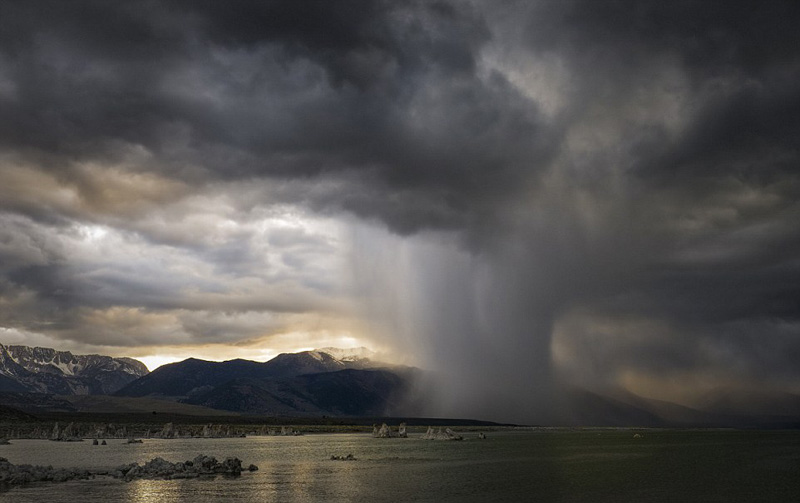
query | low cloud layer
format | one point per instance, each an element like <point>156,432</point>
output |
<point>516,195</point>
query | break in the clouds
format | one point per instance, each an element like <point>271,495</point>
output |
<point>516,194</point>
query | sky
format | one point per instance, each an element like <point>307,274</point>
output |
<point>513,195</point>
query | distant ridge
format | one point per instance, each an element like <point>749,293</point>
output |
<point>619,407</point>
<point>45,370</point>
<point>192,376</point>
<point>327,381</point>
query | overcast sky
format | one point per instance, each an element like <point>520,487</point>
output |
<point>516,193</point>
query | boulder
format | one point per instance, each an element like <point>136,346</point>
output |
<point>349,457</point>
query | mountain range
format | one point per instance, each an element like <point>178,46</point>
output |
<point>45,370</point>
<point>308,383</point>
<point>304,383</point>
<point>325,382</point>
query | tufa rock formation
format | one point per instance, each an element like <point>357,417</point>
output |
<point>447,434</point>
<point>386,432</point>
<point>157,468</point>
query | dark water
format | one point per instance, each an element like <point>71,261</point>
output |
<point>550,465</point>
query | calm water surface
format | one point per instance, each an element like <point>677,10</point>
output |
<point>542,465</point>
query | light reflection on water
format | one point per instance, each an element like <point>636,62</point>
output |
<point>290,468</point>
<point>153,491</point>
<point>509,466</point>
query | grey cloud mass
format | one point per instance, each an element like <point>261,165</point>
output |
<point>523,194</point>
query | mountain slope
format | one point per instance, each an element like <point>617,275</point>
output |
<point>11,414</point>
<point>181,379</point>
<point>349,392</point>
<point>760,402</point>
<point>619,407</point>
<point>104,404</point>
<point>580,407</point>
<point>670,413</point>
<point>45,370</point>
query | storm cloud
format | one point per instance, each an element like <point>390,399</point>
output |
<point>516,195</point>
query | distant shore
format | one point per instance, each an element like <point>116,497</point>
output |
<point>91,426</point>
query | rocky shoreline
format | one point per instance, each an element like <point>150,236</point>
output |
<point>200,467</point>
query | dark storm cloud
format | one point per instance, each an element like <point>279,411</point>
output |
<point>705,245</point>
<point>617,175</point>
<point>672,198</point>
<point>274,89</point>
<point>741,66</point>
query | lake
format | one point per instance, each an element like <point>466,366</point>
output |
<point>531,465</point>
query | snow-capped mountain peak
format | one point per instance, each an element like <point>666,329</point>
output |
<point>46,370</point>
<point>349,354</point>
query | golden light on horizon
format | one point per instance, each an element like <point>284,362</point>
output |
<point>287,343</point>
